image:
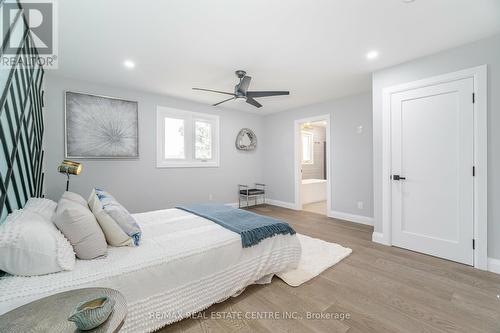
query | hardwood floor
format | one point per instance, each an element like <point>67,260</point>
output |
<point>382,289</point>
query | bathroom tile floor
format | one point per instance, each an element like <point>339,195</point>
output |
<point>316,207</point>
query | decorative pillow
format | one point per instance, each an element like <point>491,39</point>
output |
<point>115,236</point>
<point>32,245</point>
<point>44,207</point>
<point>120,215</point>
<point>80,227</point>
<point>75,198</point>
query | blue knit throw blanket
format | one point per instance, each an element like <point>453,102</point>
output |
<point>252,227</point>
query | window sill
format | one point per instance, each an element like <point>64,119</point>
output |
<point>187,165</point>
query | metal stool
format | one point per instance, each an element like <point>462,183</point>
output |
<point>251,193</point>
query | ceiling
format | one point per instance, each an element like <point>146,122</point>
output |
<point>314,48</point>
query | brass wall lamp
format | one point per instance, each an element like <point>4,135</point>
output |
<point>70,168</point>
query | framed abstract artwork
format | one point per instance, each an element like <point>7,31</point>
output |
<point>100,127</point>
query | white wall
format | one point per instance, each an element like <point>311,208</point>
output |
<point>351,153</point>
<point>478,53</point>
<point>138,184</point>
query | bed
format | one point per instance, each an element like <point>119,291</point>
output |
<point>185,264</point>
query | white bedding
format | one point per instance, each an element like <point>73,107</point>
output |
<point>184,264</point>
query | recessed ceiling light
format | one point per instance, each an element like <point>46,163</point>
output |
<point>129,64</point>
<point>372,55</point>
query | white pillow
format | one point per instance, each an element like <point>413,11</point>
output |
<point>80,227</point>
<point>45,207</point>
<point>120,215</point>
<point>115,236</point>
<point>75,198</point>
<point>32,245</point>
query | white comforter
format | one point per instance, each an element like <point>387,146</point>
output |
<point>184,264</point>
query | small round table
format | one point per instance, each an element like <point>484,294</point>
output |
<point>50,314</point>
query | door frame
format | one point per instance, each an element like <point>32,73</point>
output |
<point>298,160</point>
<point>479,75</point>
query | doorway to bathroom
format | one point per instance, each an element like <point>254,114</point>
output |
<point>312,164</point>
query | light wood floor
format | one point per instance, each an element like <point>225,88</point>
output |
<point>315,207</point>
<point>383,289</point>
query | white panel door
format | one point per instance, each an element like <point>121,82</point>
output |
<point>432,151</point>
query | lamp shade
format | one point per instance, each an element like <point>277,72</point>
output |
<point>70,167</point>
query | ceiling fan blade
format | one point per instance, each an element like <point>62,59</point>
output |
<point>215,91</point>
<point>226,100</point>
<point>254,94</point>
<point>245,82</point>
<point>252,101</point>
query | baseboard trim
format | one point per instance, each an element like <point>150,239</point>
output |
<point>351,217</point>
<point>378,237</point>
<point>284,204</point>
<point>494,265</point>
<point>278,203</point>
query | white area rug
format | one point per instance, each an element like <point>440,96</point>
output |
<point>317,256</point>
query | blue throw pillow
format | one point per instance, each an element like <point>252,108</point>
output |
<point>120,214</point>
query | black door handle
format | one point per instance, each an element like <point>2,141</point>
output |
<point>398,177</point>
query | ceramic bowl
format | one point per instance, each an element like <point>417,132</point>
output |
<point>90,314</point>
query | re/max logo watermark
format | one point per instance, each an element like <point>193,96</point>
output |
<point>29,33</point>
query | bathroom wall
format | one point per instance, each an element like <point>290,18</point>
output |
<point>317,169</point>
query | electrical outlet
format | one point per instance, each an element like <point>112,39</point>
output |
<point>359,129</point>
<point>210,197</point>
<point>360,204</point>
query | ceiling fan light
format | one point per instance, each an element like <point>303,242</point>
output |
<point>241,91</point>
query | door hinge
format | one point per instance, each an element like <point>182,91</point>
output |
<point>473,97</point>
<point>473,171</point>
<point>473,244</point>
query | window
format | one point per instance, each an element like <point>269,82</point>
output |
<point>174,138</point>
<point>203,140</point>
<point>307,148</point>
<point>186,139</point>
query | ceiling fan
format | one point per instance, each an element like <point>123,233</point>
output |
<point>241,91</point>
